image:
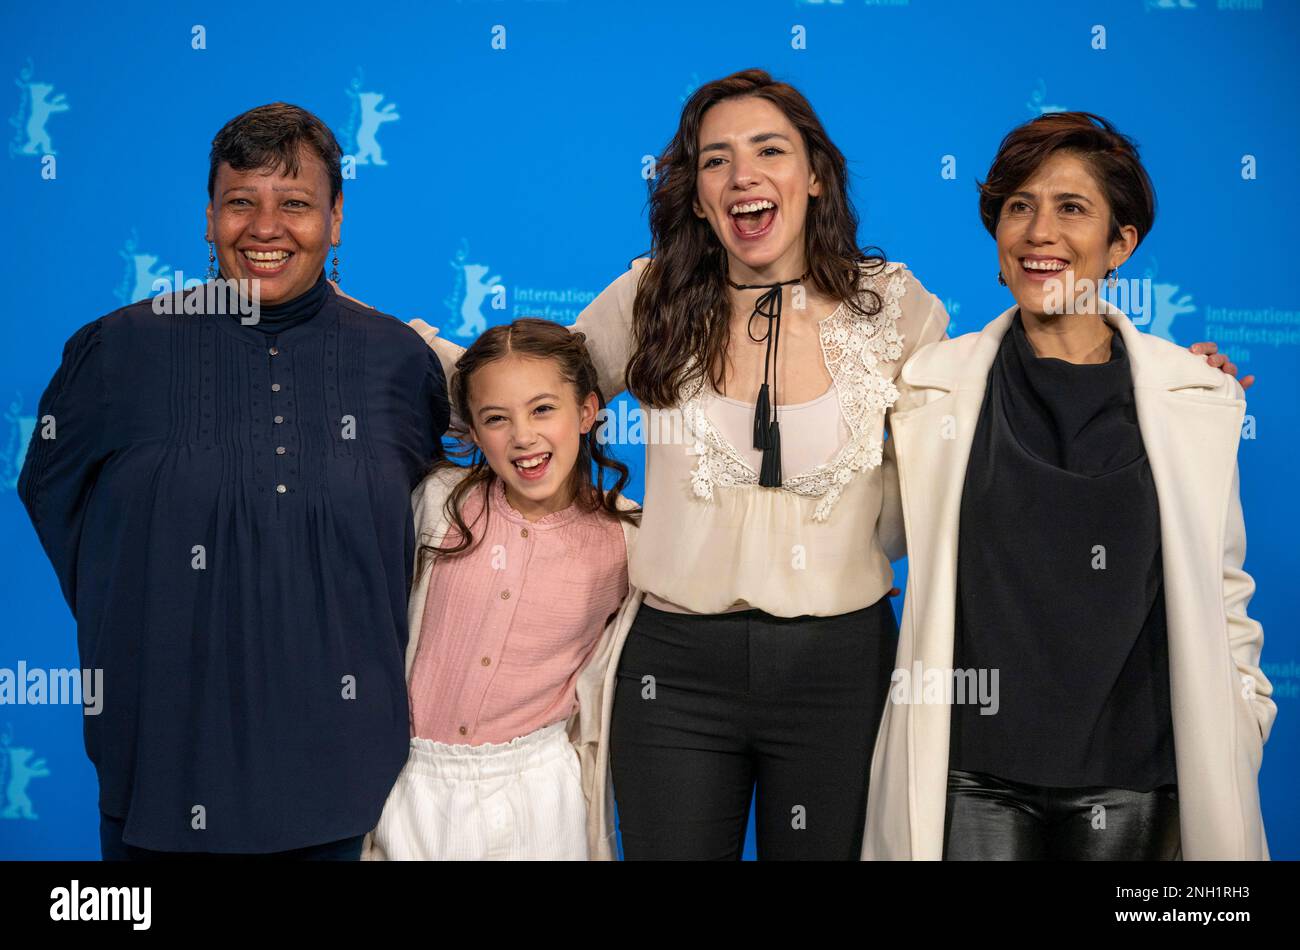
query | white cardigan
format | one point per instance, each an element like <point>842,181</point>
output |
<point>588,727</point>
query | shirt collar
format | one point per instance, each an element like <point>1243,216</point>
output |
<point>554,520</point>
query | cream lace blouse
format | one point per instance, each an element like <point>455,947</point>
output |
<point>711,539</point>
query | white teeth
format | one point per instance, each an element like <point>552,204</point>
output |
<point>533,462</point>
<point>1043,265</point>
<point>750,206</point>
<point>267,257</point>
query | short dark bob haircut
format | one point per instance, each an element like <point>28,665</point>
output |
<point>271,137</point>
<point>1112,157</point>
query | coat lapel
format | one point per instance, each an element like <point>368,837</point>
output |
<point>933,446</point>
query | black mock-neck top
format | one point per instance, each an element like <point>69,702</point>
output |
<point>1060,582</point>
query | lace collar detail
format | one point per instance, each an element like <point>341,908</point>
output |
<point>853,346</point>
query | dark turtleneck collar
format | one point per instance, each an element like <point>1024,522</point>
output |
<point>1076,416</point>
<point>276,318</point>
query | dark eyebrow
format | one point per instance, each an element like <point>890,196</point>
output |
<point>1061,196</point>
<point>758,139</point>
<point>530,402</point>
<point>305,191</point>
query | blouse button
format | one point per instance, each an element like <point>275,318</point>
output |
<point>463,731</point>
<point>523,532</point>
<point>275,387</point>
<point>281,489</point>
<point>279,450</point>
<point>274,351</point>
<point>279,419</point>
<point>487,661</point>
<point>505,595</point>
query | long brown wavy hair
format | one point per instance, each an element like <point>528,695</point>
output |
<point>537,339</point>
<point>683,306</point>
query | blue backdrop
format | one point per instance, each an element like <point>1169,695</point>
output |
<point>503,142</point>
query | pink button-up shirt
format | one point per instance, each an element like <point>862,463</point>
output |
<point>508,627</point>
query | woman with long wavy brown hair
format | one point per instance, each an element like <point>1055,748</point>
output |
<point>762,652</point>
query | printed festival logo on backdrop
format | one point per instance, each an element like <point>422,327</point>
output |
<point>142,269</point>
<point>472,287</point>
<point>1166,305</point>
<point>36,104</point>
<point>17,433</point>
<point>1038,104</point>
<point>475,296</point>
<point>360,136</point>
<point>17,769</point>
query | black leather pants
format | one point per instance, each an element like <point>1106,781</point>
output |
<point>989,819</point>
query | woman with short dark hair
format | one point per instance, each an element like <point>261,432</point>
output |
<point>225,497</point>
<point>1075,542</point>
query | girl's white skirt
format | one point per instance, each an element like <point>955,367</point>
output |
<point>516,800</point>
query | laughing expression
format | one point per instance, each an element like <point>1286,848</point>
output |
<point>752,184</point>
<point>273,227</point>
<point>1055,227</point>
<point>528,423</point>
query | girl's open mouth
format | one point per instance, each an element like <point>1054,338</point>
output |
<point>533,467</point>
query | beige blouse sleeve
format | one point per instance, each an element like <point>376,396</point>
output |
<point>923,321</point>
<point>607,324</point>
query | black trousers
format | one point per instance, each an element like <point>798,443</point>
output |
<point>707,707</point>
<point>991,819</point>
<point>113,848</point>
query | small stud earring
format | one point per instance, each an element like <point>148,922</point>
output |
<point>1001,280</point>
<point>212,258</point>
<point>334,271</point>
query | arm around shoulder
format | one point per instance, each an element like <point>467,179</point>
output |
<point>606,323</point>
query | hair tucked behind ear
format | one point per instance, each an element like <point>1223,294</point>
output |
<point>536,339</point>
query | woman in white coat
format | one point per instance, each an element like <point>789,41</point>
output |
<point>1077,677</point>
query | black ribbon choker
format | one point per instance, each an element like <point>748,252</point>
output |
<point>767,432</point>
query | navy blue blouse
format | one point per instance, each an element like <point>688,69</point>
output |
<point>227,508</point>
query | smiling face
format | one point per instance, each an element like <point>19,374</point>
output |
<point>1056,226</point>
<point>274,227</point>
<point>753,180</point>
<point>528,422</point>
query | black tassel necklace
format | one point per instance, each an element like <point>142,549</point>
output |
<point>767,433</point>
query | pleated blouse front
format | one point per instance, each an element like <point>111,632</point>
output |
<point>228,512</point>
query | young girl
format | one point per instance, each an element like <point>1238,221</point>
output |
<point>521,567</point>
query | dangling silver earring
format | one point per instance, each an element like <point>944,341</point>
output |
<point>334,271</point>
<point>212,258</point>
<point>1111,279</point>
<point>1001,280</point>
